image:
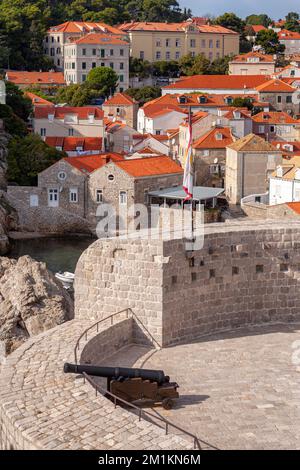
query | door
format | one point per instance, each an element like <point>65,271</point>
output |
<point>53,197</point>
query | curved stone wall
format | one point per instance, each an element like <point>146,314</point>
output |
<point>247,273</point>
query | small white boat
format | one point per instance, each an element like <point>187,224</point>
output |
<point>66,279</point>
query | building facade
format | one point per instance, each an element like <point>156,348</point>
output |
<point>285,182</point>
<point>252,63</point>
<point>96,50</point>
<point>123,108</point>
<point>171,41</point>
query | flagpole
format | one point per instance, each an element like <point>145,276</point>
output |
<point>191,134</point>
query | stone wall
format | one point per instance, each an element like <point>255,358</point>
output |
<point>256,210</point>
<point>245,274</point>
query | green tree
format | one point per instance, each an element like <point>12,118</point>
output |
<point>15,98</point>
<point>261,19</point>
<point>242,103</point>
<point>220,66</point>
<point>268,39</point>
<point>28,156</point>
<point>163,68</point>
<point>12,123</point>
<point>144,94</point>
<point>102,79</point>
<point>231,21</point>
<point>76,95</point>
<point>139,67</point>
<point>292,22</point>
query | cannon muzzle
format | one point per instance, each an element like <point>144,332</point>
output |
<point>117,372</point>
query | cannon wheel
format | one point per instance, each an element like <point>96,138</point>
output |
<point>167,403</point>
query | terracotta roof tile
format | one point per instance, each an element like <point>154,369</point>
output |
<point>198,82</point>
<point>99,38</point>
<point>120,99</point>
<point>258,27</point>
<point>37,100</point>
<point>81,27</point>
<point>249,55</point>
<point>151,166</point>
<point>275,85</point>
<point>252,143</point>
<point>60,112</point>
<point>70,144</point>
<point>36,78</point>
<point>295,206</point>
<point>274,117</point>
<point>90,163</point>
<point>287,35</point>
<point>174,27</point>
<point>219,137</point>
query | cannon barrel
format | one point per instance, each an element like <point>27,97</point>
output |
<point>116,372</point>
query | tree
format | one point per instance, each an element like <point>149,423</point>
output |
<point>268,39</point>
<point>261,19</point>
<point>292,22</point>
<point>231,21</point>
<point>163,68</point>
<point>139,67</point>
<point>75,95</point>
<point>27,157</point>
<point>18,102</point>
<point>242,103</point>
<point>220,66</point>
<point>144,94</point>
<point>102,79</point>
<point>12,123</point>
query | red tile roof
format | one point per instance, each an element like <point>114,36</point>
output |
<point>70,144</point>
<point>210,140</point>
<point>37,100</point>
<point>83,112</point>
<point>151,166</point>
<point>174,27</point>
<point>258,27</point>
<point>120,99</point>
<point>274,117</point>
<point>295,206</point>
<point>275,85</point>
<point>237,82</point>
<point>83,27</point>
<point>258,55</point>
<point>286,35</point>
<point>35,78</point>
<point>99,38</point>
<point>211,100</point>
<point>90,163</point>
<point>153,110</point>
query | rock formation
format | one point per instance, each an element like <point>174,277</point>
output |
<point>31,300</point>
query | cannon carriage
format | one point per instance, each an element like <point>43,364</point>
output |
<point>133,384</point>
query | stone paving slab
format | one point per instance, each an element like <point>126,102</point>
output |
<point>237,390</point>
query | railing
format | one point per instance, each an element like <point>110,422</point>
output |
<point>142,413</point>
<point>129,314</point>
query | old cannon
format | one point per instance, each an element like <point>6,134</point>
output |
<point>132,384</point>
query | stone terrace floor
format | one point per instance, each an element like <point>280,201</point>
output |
<point>237,390</point>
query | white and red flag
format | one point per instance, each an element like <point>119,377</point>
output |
<point>188,176</point>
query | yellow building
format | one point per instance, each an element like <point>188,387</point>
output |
<point>171,41</point>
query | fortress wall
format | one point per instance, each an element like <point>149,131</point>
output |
<point>246,273</point>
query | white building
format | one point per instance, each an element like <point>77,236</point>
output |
<point>285,182</point>
<point>159,119</point>
<point>96,50</point>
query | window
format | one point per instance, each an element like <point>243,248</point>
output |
<point>177,55</point>
<point>58,62</point>
<point>193,54</point>
<point>52,51</point>
<point>121,78</point>
<point>121,52</point>
<point>58,50</point>
<point>102,64</point>
<point>168,42</point>
<point>94,65</point>
<point>111,65</point>
<point>121,65</point>
<point>193,43</point>
<point>272,129</point>
<point>261,129</point>
<point>177,42</point>
<point>73,195</point>
<point>158,43</point>
<point>102,52</point>
<point>111,52</point>
<point>94,51</point>
<point>218,43</point>
<point>110,177</point>
<point>158,132</point>
<point>83,51</point>
<point>83,65</point>
<point>288,99</point>
<point>123,197</point>
<point>158,55</point>
<point>279,99</point>
<point>142,55</point>
<point>168,55</point>
<point>73,65</point>
<point>99,196</point>
<point>62,175</point>
<point>203,43</point>
<point>83,77</point>
<point>43,132</point>
<point>52,38</point>
<point>34,200</point>
<point>211,44</point>
<point>47,39</point>
<point>58,39</point>
<point>71,132</point>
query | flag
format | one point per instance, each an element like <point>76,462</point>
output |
<point>188,176</point>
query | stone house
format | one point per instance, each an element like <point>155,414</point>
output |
<point>280,95</point>
<point>290,71</point>
<point>79,184</point>
<point>120,137</point>
<point>67,121</point>
<point>291,41</point>
<point>249,164</point>
<point>252,63</point>
<point>201,123</point>
<point>274,125</point>
<point>122,108</point>
<point>159,143</point>
<point>238,119</point>
<point>209,153</point>
<point>158,118</point>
